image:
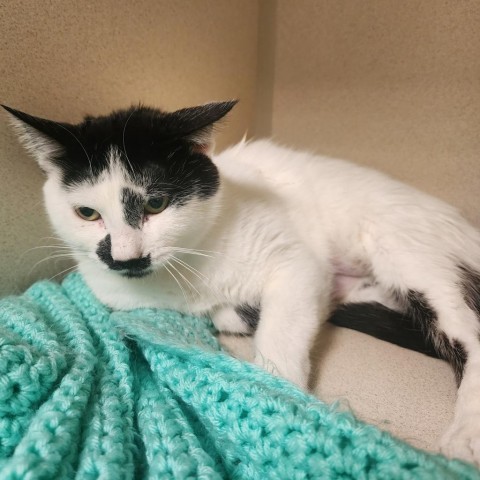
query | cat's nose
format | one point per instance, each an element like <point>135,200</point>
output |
<point>125,253</point>
<point>129,263</point>
<point>125,246</point>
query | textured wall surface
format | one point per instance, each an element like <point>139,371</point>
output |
<point>64,59</point>
<point>394,85</point>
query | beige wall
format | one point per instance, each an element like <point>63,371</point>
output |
<point>387,83</point>
<point>394,85</point>
<point>63,59</point>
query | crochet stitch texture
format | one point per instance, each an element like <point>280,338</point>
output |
<point>88,393</point>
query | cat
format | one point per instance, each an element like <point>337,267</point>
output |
<point>260,238</point>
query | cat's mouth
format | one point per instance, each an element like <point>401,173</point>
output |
<point>135,268</point>
<point>135,273</point>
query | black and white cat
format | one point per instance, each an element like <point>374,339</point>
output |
<point>259,237</point>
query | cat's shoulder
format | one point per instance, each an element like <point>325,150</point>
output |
<point>260,156</point>
<point>268,158</point>
<point>260,149</point>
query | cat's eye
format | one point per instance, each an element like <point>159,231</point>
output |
<point>156,205</point>
<point>87,213</point>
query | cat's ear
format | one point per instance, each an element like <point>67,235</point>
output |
<point>196,124</point>
<point>43,139</point>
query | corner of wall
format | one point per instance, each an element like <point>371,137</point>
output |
<point>263,113</point>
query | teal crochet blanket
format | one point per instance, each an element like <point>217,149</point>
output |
<point>88,393</point>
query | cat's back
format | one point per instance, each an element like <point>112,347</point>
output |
<point>341,200</point>
<point>327,182</point>
<point>322,198</point>
<point>303,176</point>
<point>287,166</point>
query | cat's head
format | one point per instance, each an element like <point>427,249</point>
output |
<point>129,189</point>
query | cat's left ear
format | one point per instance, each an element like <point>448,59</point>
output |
<point>42,138</point>
<point>196,124</point>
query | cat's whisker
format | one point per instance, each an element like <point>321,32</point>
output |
<point>62,247</point>
<point>180,250</point>
<point>174,276</point>
<point>200,276</point>
<point>205,280</point>
<point>42,247</point>
<point>123,139</point>
<point>180,286</point>
<point>214,254</point>
<point>40,262</point>
<point>69,269</point>
<point>200,254</point>
<point>53,257</point>
<point>49,246</point>
<point>189,284</point>
<point>193,270</point>
<point>59,247</point>
<point>193,250</point>
<point>199,250</point>
<point>52,238</point>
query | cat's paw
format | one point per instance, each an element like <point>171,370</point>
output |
<point>462,441</point>
<point>295,372</point>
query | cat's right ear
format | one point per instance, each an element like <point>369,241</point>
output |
<point>43,139</point>
<point>196,124</point>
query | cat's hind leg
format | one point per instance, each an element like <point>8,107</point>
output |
<point>462,329</point>
<point>438,295</point>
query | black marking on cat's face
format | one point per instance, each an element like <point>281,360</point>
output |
<point>133,268</point>
<point>160,151</point>
<point>188,174</point>
<point>249,314</point>
<point>133,205</point>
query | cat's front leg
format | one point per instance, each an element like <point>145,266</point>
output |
<point>295,300</point>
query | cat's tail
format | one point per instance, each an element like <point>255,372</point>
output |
<point>378,321</point>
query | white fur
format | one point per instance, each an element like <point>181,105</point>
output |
<point>282,227</point>
<point>37,144</point>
